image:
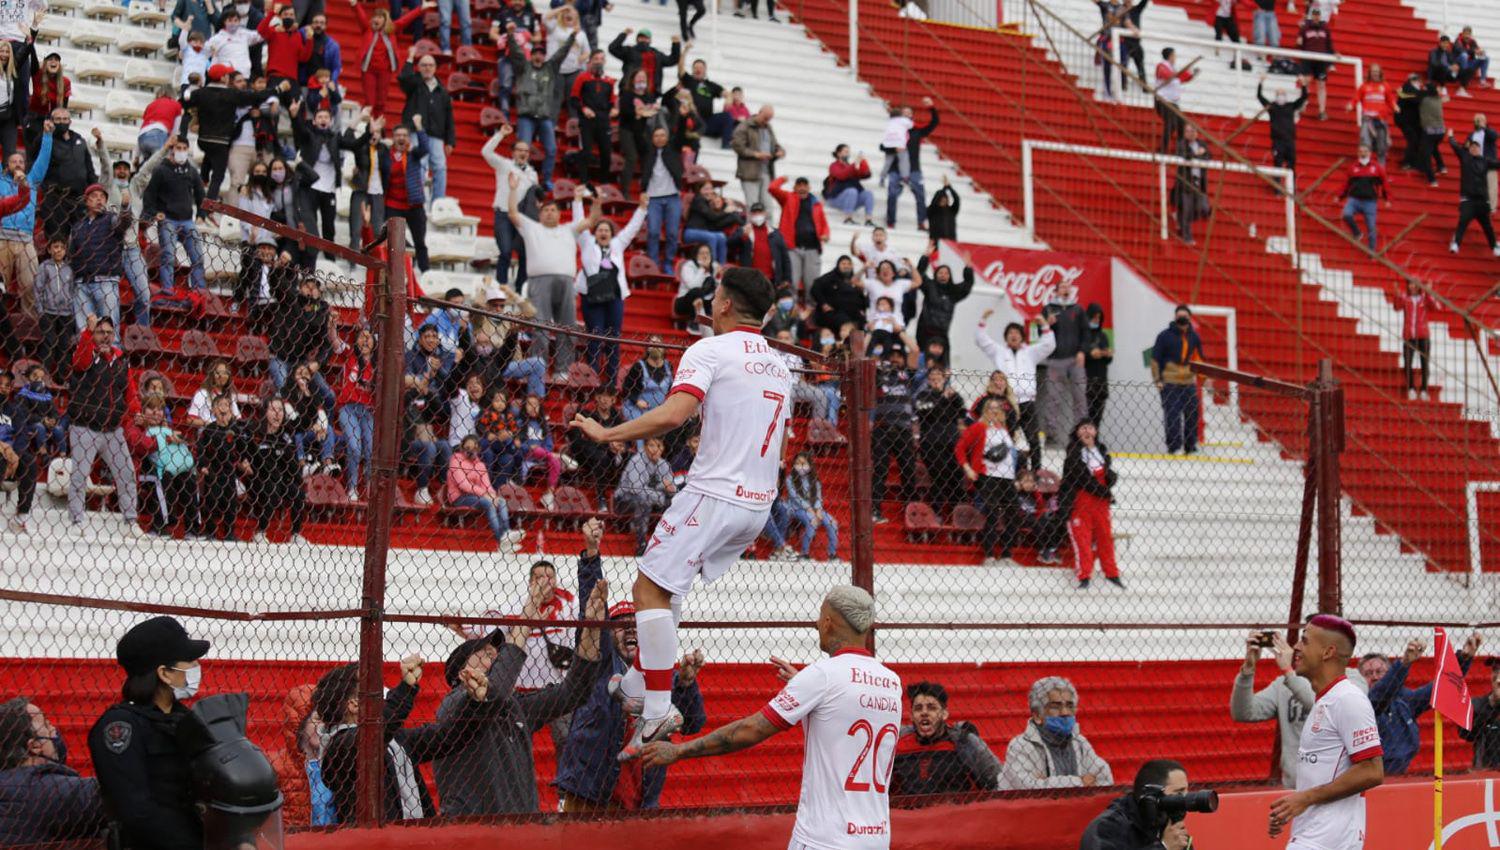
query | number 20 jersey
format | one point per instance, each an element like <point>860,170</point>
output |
<point>745,396</point>
<point>849,705</point>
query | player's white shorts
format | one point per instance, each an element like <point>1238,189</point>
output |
<point>698,535</point>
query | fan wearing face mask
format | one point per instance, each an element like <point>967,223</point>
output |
<point>143,773</point>
<point>1282,113</point>
<point>35,777</point>
<point>1052,753</point>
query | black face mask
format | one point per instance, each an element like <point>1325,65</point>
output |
<point>1182,322</point>
<point>59,128</point>
<point>846,274</point>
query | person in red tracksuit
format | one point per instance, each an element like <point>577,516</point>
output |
<point>1085,496</point>
<point>1414,306</point>
<point>377,56</point>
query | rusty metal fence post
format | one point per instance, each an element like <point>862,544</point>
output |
<point>859,384</point>
<point>390,314</point>
<point>1328,424</point>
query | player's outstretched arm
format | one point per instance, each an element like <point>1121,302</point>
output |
<point>732,737</point>
<point>677,409</point>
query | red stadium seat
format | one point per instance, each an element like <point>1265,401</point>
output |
<point>140,344</point>
<point>517,499</point>
<point>491,119</point>
<point>197,344</point>
<point>469,59</point>
<point>967,522</point>
<point>251,353</point>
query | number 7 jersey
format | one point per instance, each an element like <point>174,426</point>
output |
<point>745,398</point>
<point>849,705</point>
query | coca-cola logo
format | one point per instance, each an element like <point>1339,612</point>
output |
<point>1029,289</point>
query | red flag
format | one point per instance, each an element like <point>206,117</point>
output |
<point>1450,693</point>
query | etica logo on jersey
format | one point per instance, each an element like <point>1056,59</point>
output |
<point>785,701</point>
<point>866,829</point>
<point>1365,737</point>
<point>754,495</point>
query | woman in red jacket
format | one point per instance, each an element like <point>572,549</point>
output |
<point>377,56</point>
<point>1085,495</point>
<point>356,400</point>
<point>49,88</point>
<point>844,191</point>
<point>988,457</point>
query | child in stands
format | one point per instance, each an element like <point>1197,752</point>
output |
<point>497,439</point>
<point>1040,521</point>
<point>220,445</point>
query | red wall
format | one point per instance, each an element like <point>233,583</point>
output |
<point>1399,818</point>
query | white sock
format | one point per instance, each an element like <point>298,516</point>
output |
<point>656,636</point>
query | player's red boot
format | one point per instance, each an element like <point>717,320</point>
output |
<point>646,731</point>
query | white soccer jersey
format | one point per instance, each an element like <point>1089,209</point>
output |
<point>745,391</point>
<point>849,706</point>
<point>1340,732</point>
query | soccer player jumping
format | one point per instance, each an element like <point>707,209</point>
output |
<point>740,387</point>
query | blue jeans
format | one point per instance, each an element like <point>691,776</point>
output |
<point>446,8</point>
<point>505,74</point>
<point>851,199</point>
<point>824,398</point>
<point>279,370</point>
<point>502,459</point>
<point>716,241</point>
<point>893,184</point>
<point>604,319</point>
<point>1179,408</point>
<point>171,231</point>
<point>1368,210</point>
<point>430,457</point>
<point>494,512</point>
<point>140,284</point>
<point>437,167</point>
<point>358,424</point>
<point>150,142</point>
<point>533,370</point>
<point>1265,29</point>
<point>663,219</point>
<point>325,450</point>
<point>527,129</point>
<point>1480,66</point>
<point>804,518</point>
<point>99,297</point>
<point>776,523</point>
<point>509,241</point>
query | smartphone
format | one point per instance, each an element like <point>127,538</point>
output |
<point>1266,639</point>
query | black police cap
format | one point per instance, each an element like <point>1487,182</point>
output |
<point>155,642</point>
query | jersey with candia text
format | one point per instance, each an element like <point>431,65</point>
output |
<point>849,706</point>
<point>1339,733</point>
<point>745,391</point>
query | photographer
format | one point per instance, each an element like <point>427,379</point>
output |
<point>1140,821</point>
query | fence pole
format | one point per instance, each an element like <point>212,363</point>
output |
<point>370,779</point>
<point>859,380</point>
<point>1330,431</point>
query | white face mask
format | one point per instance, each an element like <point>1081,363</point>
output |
<point>179,157</point>
<point>1364,160</point>
<point>192,678</point>
<point>231,28</point>
<point>242,8</point>
<point>757,220</point>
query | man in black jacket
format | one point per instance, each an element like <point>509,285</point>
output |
<point>593,101</point>
<point>661,178</point>
<point>1473,191</point>
<point>321,151</point>
<point>95,250</point>
<point>428,101</point>
<point>940,421</point>
<point>635,56</point>
<point>940,295</point>
<point>217,105</point>
<point>1064,400</point>
<point>1123,825</point>
<point>45,800</point>
<point>934,756</point>
<point>173,198</point>
<point>96,412</point>
<point>1283,118</point>
<point>266,281</point>
<point>70,171</point>
<point>894,180</point>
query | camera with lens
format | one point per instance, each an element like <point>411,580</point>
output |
<point>1158,808</point>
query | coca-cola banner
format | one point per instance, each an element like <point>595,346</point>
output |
<point>1029,278</point>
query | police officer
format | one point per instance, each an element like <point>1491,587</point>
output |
<point>145,777</point>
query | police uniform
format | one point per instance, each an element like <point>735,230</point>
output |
<point>145,778</point>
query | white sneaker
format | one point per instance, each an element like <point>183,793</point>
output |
<point>353,494</point>
<point>260,537</point>
<point>548,501</point>
<point>1453,247</point>
<point>646,731</point>
<point>1463,92</point>
<point>513,540</point>
<point>16,525</point>
<point>568,463</point>
<point>1411,395</point>
<point>423,497</point>
<point>1496,250</point>
<point>299,540</point>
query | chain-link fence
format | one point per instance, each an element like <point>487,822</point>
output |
<point>321,477</point>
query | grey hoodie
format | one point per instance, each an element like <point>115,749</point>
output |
<point>1288,699</point>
